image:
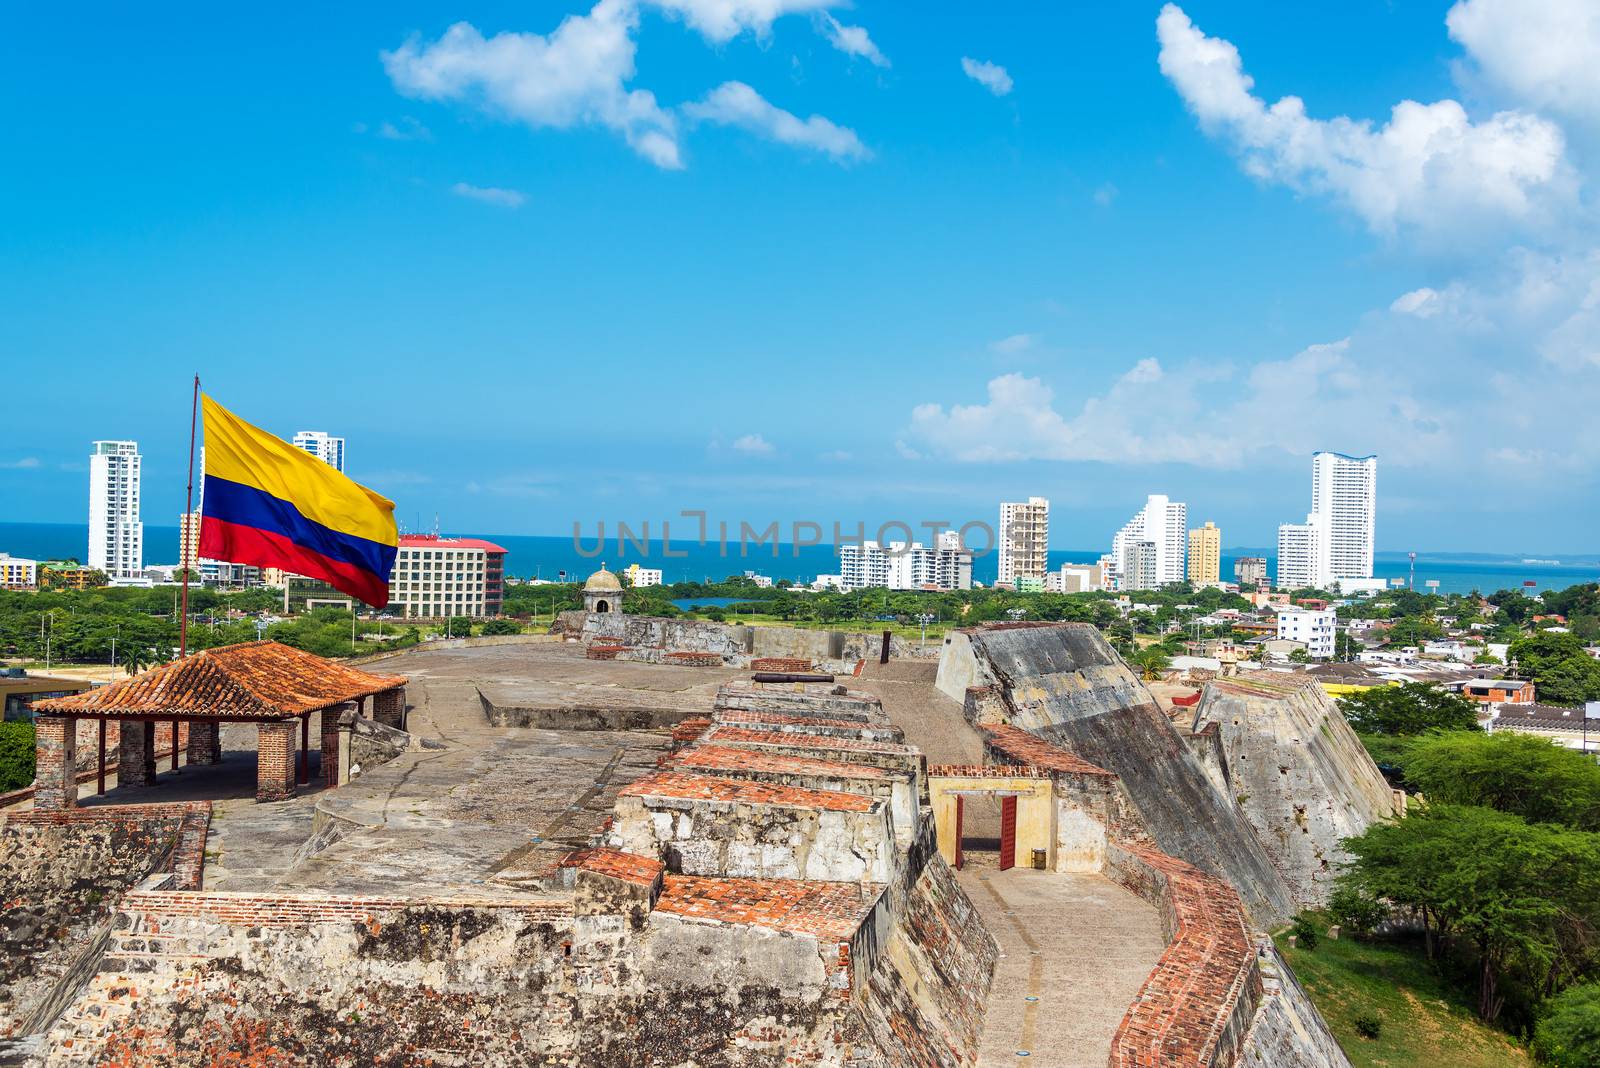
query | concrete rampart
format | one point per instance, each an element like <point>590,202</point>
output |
<point>1065,684</point>
<point>1302,777</point>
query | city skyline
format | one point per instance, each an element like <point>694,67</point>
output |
<point>1159,293</point>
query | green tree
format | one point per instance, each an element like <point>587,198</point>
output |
<point>1522,896</point>
<point>497,627</point>
<point>1568,1032</point>
<point>1411,708</point>
<point>1523,774</point>
<point>16,755</point>
<point>1561,671</point>
<point>1151,662</point>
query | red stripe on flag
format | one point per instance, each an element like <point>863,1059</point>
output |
<point>238,544</point>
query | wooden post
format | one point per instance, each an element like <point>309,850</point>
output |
<point>174,745</point>
<point>305,750</point>
<point>100,775</point>
<point>883,657</point>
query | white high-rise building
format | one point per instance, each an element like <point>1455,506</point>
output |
<point>329,450</point>
<point>1335,542</point>
<point>1024,539</point>
<point>902,566</point>
<point>1151,549</point>
<point>1301,555</point>
<point>1344,490</point>
<point>116,536</point>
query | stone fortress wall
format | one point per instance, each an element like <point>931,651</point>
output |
<point>776,893</point>
<point>682,934</point>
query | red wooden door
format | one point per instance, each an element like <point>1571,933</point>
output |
<point>1008,832</point>
<point>959,806</point>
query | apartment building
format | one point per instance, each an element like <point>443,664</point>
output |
<point>1314,628</point>
<point>1150,549</point>
<point>17,573</point>
<point>116,534</point>
<point>325,447</point>
<point>435,577</point>
<point>1023,541</point>
<point>1205,554</point>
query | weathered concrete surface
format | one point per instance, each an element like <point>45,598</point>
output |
<point>1079,945</point>
<point>554,686</point>
<point>1301,775</point>
<point>1067,685</point>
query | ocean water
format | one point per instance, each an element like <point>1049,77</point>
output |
<point>534,556</point>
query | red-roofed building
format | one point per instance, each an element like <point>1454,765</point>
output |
<point>437,577</point>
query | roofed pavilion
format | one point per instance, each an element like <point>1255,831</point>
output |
<point>275,686</point>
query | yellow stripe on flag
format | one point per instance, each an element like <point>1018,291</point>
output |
<point>246,454</point>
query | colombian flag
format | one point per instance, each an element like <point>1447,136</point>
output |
<point>270,504</point>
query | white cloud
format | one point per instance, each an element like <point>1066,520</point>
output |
<point>837,456</point>
<point>505,198</point>
<point>27,463</point>
<point>853,41</point>
<point>1009,346</point>
<point>407,129</point>
<point>1196,415</point>
<point>1423,303</point>
<point>736,104</point>
<point>1430,166</point>
<point>1105,195</point>
<point>753,445</point>
<point>721,21</point>
<point>1545,51</point>
<point>991,76</point>
<point>575,76</point>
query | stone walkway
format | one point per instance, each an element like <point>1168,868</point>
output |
<point>1079,946</point>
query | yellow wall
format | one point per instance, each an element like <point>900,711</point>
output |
<point>1036,812</point>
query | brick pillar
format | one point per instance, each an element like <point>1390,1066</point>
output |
<point>275,756</point>
<point>55,770</point>
<point>389,708</point>
<point>330,744</point>
<point>205,742</point>
<point>136,753</point>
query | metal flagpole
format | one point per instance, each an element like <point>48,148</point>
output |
<point>191,533</point>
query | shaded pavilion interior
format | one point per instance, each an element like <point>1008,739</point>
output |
<point>274,686</point>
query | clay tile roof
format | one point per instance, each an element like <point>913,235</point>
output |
<point>827,910</point>
<point>718,758</point>
<point>629,867</point>
<point>253,680</point>
<point>1022,747</point>
<point>737,791</point>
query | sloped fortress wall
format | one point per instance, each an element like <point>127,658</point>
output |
<point>1301,775</point>
<point>1064,683</point>
<point>61,875</point>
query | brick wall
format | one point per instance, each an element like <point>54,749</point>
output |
<point>389,708</point>
<point>136,754</point>
<point>275,759</point>
<point>1198,1002</point>
<point>55,763</point>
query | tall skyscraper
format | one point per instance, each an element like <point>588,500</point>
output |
<point>1334,544</point>
<point>1205,554</point>
<point>1024,539</point>
<point>116,536</point>
<point>1149,551</point>
<point>329,450</point>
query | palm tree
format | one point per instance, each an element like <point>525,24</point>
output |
<point>1151,662</point>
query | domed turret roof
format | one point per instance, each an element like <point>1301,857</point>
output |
<point>602,580</point>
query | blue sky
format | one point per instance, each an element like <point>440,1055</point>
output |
<point>612,268</point>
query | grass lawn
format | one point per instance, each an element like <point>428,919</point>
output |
<point>1427,1023</point>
